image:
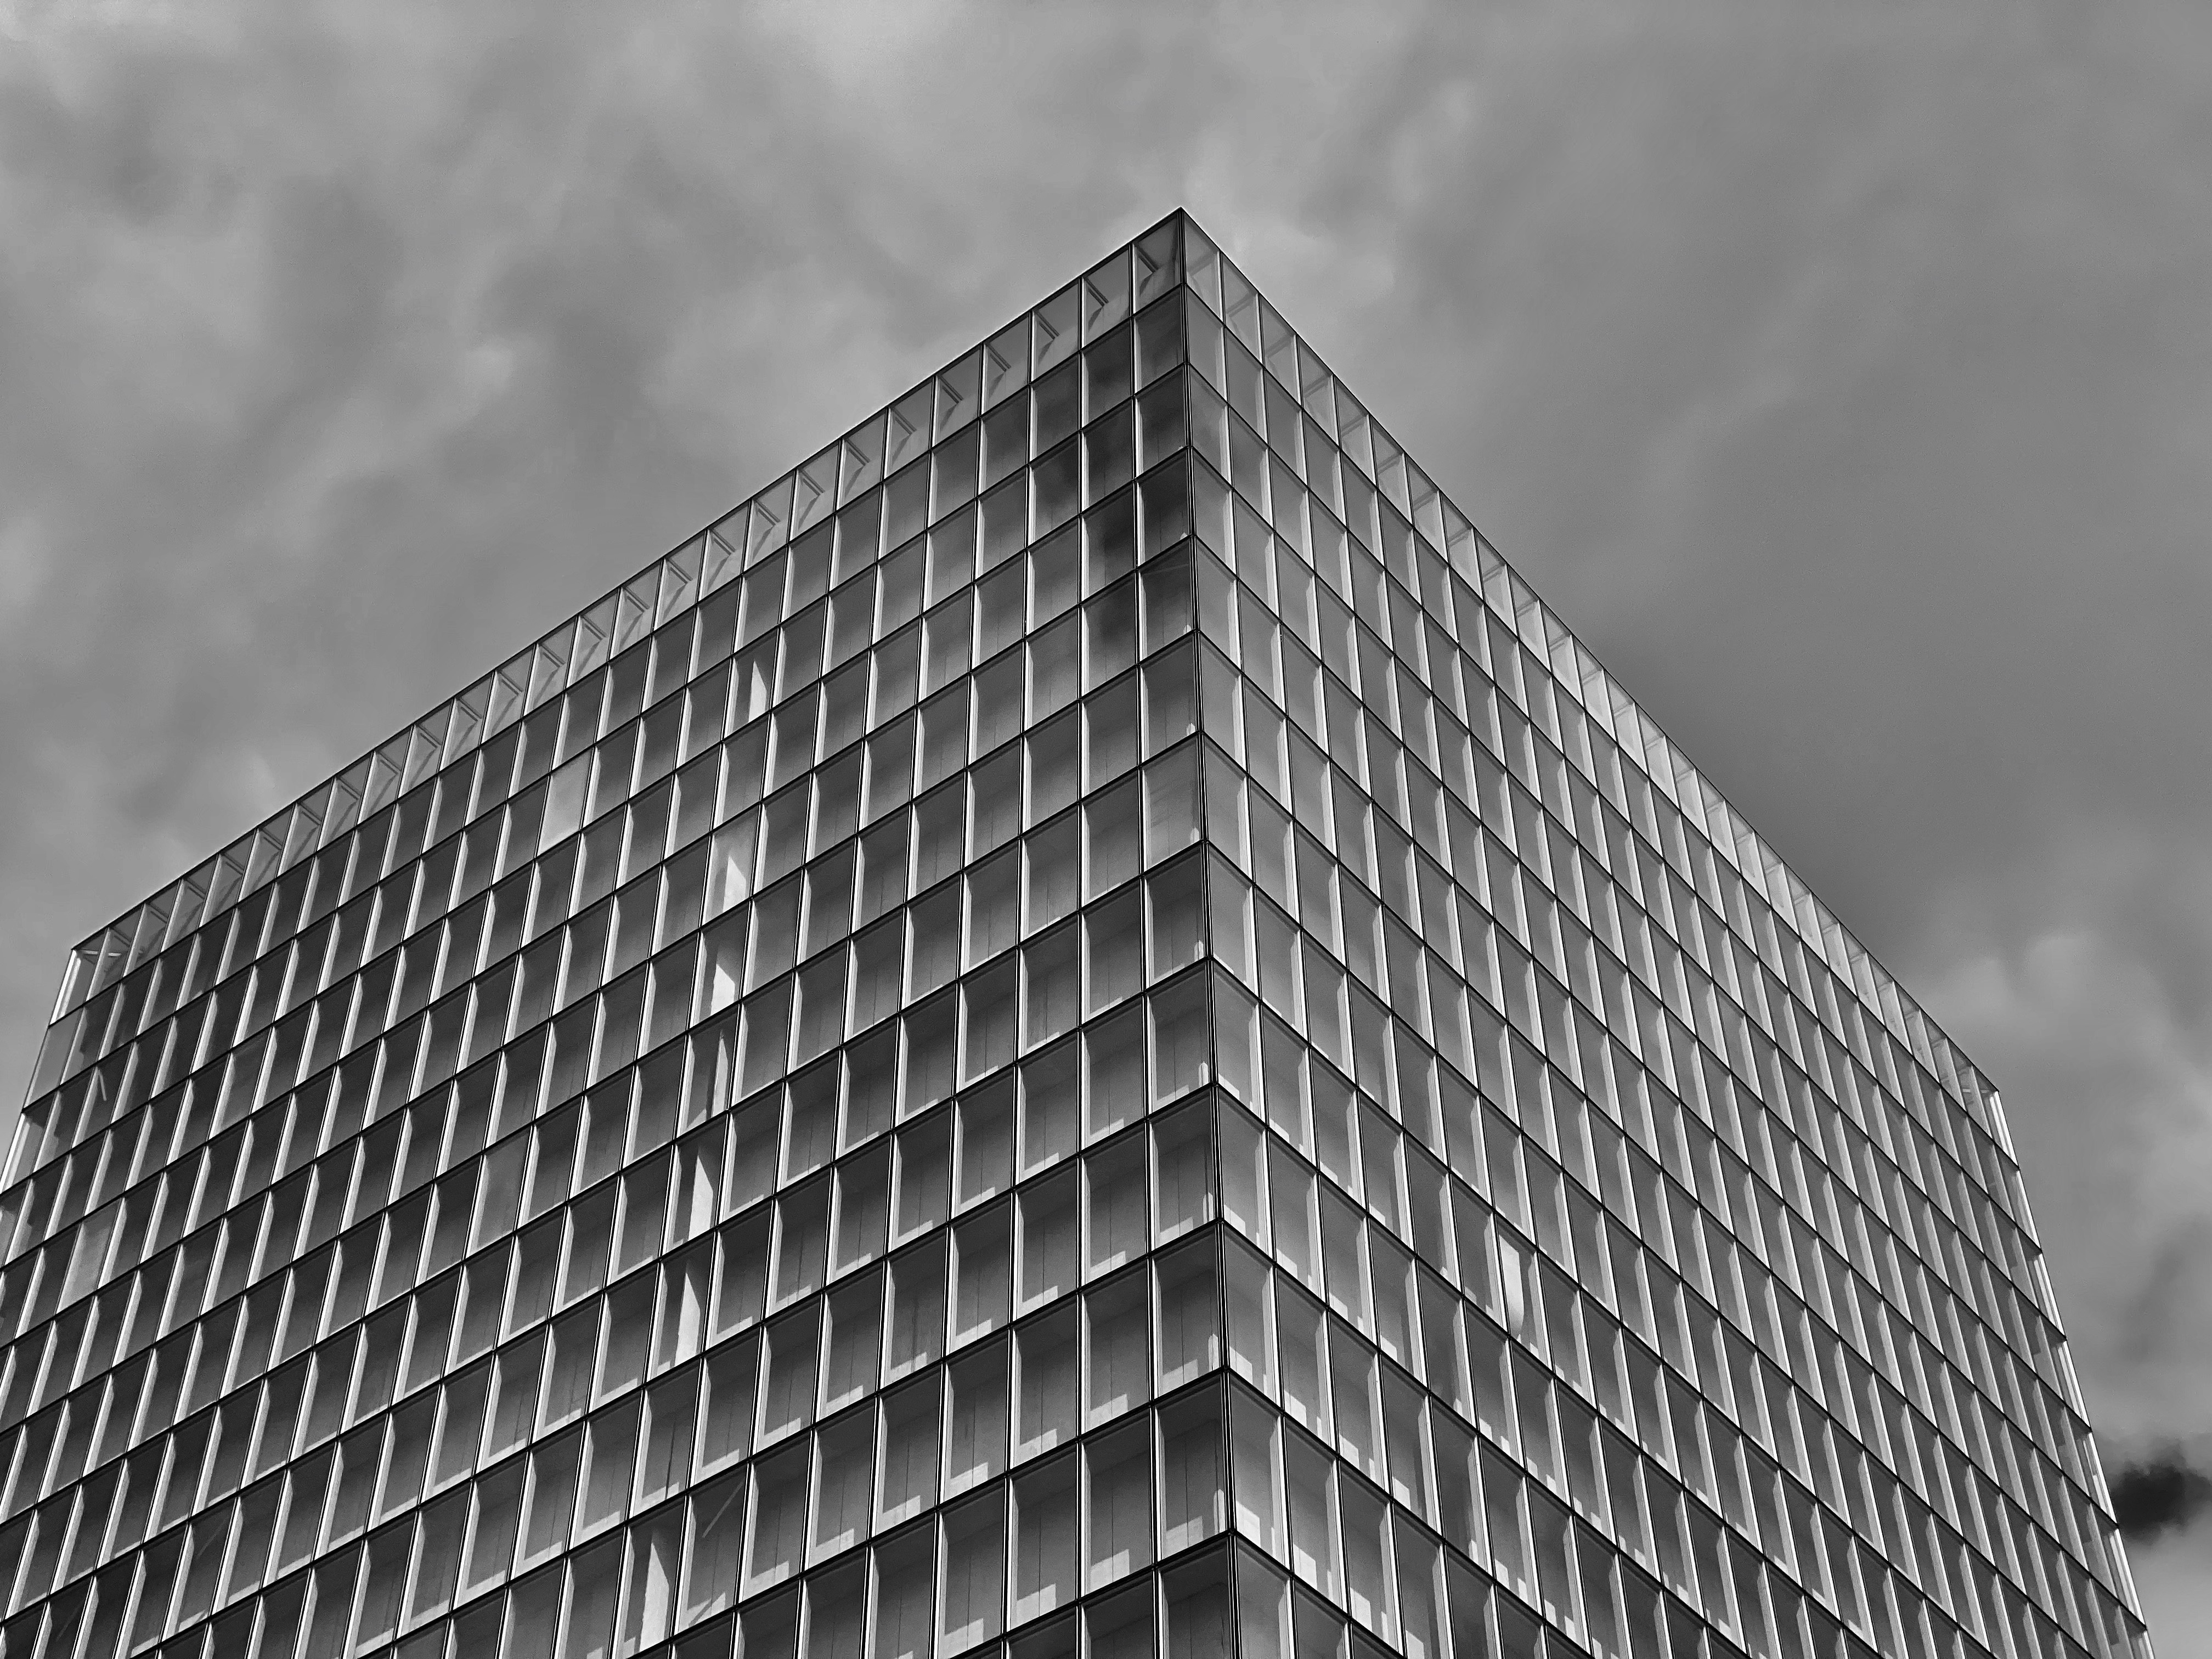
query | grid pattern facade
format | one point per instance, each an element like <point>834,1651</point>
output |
<point>1082,1030</point>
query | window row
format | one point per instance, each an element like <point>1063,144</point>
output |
<point>1339,1536</point>
<point>1062,1095</point>
<point>938,1589</point>
<point>946,1432</point>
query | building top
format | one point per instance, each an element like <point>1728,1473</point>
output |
<point>867,493</point>
<point>796,512</point>
<point>805,500</point>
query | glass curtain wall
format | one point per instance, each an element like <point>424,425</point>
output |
<point>1081,1029</point>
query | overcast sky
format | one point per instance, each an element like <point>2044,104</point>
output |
<point>1842,373</point>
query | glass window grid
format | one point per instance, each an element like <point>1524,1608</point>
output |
<point>1211,706</point>
<point>582,704</point>
<point>1184,1604</point>
<point>1440,524</point>
<point>617,1419</point>
<point>669,1271</point>
<point>1829,1016</point>
<point>1779,953</point>
<point>673,631</point>
<point>211,1215</point>
<point>1161,627</point>
<point>1495,1232</point>
<point>558,1312</point>
<point>1646,970</point>
<point>1731,1155</point>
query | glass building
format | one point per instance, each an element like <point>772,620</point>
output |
<point>1083,1029</point>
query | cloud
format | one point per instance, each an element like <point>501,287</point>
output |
<point>2163,1494</point>
<point>2097,1031</point>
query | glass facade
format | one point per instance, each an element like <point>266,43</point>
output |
<point>1082,1030</point>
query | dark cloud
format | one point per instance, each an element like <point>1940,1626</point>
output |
<point>2160,1495</point>
<point>1839,370</point>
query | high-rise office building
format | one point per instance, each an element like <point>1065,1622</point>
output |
<point>1082,1030</point>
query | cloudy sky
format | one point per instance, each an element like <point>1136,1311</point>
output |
<point>1844,372</point>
